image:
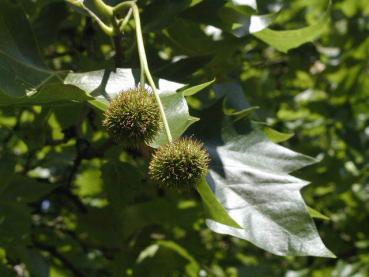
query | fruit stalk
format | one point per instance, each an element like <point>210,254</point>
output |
<point>146,71</point>
<point>102,8</point>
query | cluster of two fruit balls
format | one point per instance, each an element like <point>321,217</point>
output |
<point>133,118</point>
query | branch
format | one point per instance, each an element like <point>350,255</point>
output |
<point>118,57</point>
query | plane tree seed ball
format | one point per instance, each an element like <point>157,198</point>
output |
<point>133,117</point>
<point>180,164</point>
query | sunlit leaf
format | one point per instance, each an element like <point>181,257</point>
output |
<point>104,85</point>
<point>286,40</point>
<point>250,175</point>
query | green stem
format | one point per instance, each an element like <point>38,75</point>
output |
<point>145,69</point>
<point>108,30</point>
<point>123,23</point>
<point>123,6</point>
<point>102,8</point>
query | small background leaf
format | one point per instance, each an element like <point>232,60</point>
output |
<point>286,40</point>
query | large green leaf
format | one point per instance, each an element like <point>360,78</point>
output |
<point>21,66</point>
<point>250,176</point>
<point>104,85</point>
<point>24,78</point>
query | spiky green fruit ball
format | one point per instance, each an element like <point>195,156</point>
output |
<point>133,117</point>
<point>180,164</point>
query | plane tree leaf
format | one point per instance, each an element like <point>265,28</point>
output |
<point>104,85</point>
<point>250,176</point>
<point>14,223</point>
<point>24,78</point>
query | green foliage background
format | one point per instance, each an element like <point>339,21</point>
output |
<point>73,203</point>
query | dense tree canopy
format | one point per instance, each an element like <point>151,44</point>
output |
<point>277,91</point>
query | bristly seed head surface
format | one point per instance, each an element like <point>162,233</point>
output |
<point>133,117</point>
<point>180,164</point>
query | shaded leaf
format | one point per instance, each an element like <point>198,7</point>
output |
<point>35,263</point>
<point>23,189</point>
<point>102,227</point>
<point>5,271</point>
<point>163,257</point>
<point>121,182</point>
<point>193,267</point>
<point>110,227</point>
<point>21,66</point>
<point>7,165</point>
<point>15,222</point>
<point>162,212</point>
<point>167,11</point>
<point>23,74</point>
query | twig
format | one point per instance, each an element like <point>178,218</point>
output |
<point>118,57</point>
